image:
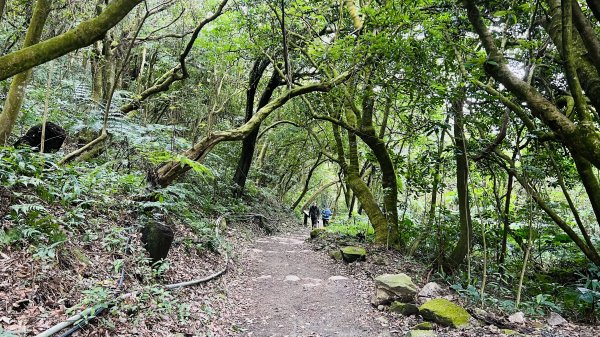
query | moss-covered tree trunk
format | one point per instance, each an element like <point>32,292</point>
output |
<point>590,182</point>
<point>97,63</point>
<point>81,36</point>
<point>389,181</point>
<point>384,233</point>
<point>464,243</point>
<point>96,72</point>
<point>580,138</point>
<point>16,93</point>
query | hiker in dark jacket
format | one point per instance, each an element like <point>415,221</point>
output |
<point>314,213</point>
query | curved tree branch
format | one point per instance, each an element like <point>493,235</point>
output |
<point>166,173</point>
<point>276,124</point>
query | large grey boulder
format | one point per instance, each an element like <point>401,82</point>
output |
<point>391,287</point>
<point>400,285</point>
<point>517,318</point>
<point>429,291</point>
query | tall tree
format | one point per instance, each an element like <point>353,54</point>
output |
<point>249,143</point>
<point>16,93</point>
<point>463,246</point>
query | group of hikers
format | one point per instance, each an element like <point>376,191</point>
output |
<point>314,213</point>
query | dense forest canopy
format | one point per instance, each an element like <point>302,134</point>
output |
<point>466,134</point>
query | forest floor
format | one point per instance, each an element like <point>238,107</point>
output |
<point>278,285</point>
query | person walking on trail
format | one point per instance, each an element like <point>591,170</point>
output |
<point>313,211</point>
<point>326,216</point>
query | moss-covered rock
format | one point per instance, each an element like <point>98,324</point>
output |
<point>423,326</point>
<point>400,285</point>
<point>444,312</point>
<point>352,253</point>
<point>336,254</point>
<point>405,309</point>
<point>420,333</point>
<point>317,232</point>
<point>157,239</point>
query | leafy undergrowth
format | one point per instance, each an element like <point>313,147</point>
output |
<point>380,261</point>
<point>70,240</point>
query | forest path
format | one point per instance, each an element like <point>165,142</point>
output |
<point>290,290</point>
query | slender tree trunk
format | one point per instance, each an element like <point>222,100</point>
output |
<point>16,93</point>
<point>352,204</point>
<point>2,5</point>
<point>260,161</point>
<point>307,182</point>
<point>97,63</point>
<point>437,177</point>
<point>506,218</point>
<point>589,251</point>
<point>96,69</point>
<point>249,143</point>
<point>463,246</point>
<point>590,183</point>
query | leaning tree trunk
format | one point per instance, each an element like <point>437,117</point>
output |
<point>16,93</point>
<point>249,143</point>
<point>384,234</point>
<point>463,246</point>
<point>389,181</point>
<point>166,173</point>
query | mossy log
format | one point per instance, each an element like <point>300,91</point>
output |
<point>157,239</point>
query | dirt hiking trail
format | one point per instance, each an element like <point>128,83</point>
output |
<point>290,290</point>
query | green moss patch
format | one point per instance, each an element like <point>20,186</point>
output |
<point>352,253</point>
<point>444,312</point>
